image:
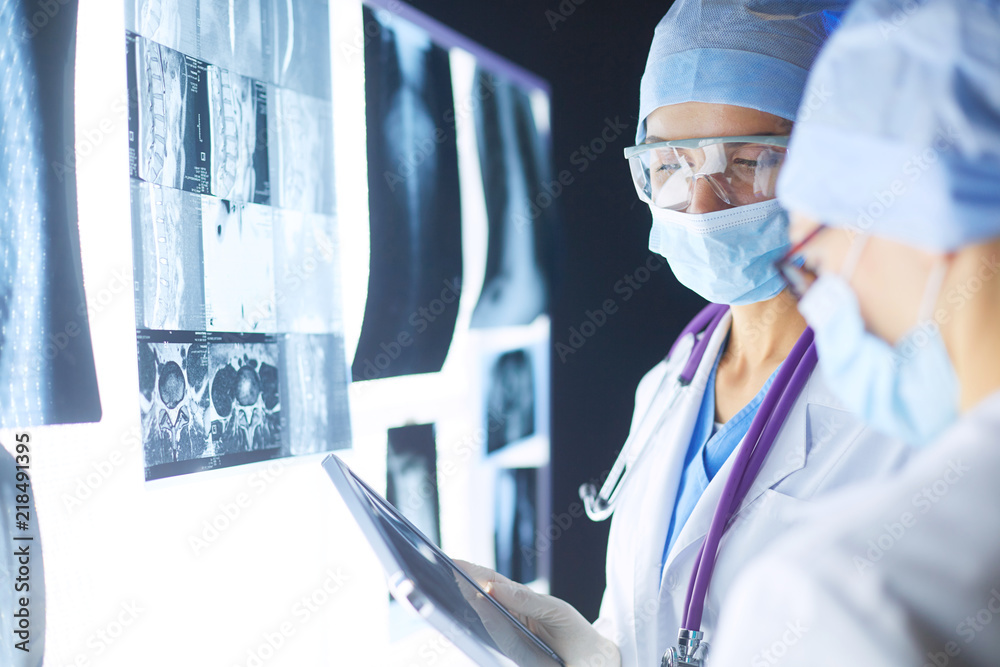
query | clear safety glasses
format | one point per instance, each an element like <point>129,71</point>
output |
<point>740,170</point>
<point>794,268</point>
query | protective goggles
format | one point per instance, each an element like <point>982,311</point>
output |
<point>740,170</point>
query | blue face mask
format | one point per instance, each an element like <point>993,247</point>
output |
<point>908,390</point>
<point>725,256</point>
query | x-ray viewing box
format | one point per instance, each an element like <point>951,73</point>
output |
<point>424,579</point>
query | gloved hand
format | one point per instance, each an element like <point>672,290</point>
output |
<point>552,620</point>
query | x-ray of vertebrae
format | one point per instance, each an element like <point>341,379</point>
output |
<point>173,394</point>
<point>173,146</point>
<point>301,152</point>
<point>245,410</point>
<point>198,127</point>
<point>229,34</point>
<point>415,212</point>
<point>238,111</point>
<point>513,161</point>
<point>315,393</point>
<point>169,267</point>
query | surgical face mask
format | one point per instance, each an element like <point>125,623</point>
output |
<point>908,390</point>
<point>725,256</point>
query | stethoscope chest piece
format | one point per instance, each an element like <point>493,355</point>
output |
<point>690,651</point>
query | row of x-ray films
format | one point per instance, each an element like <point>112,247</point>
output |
<point>237,274</point>
<point>207,130</point>
<point>414,199</point>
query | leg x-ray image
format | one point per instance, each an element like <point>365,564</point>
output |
<point>415,213</point>
<point>301,151</point>
<point>307,288</point>
<point>172,145</point>
<point>172,23</point>
<point>514,164</point>
<point>517,524</point>
<point>169,267</point>
<point>298,38</point>
<point>411,485</point>
<point>314,393</point>
<point>245,405</point>
<point>238,110</point>
<point>230,35</point>
<point>173,394</point>
<point>47,373</point>
<point>510,400</point>
<point>239,266</point>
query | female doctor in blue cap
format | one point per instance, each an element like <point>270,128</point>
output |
<point>894,185</point>
<point>732,432</point>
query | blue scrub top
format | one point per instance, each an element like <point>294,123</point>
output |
<point>707,452</point>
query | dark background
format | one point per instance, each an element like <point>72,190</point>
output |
<point>593,61</point>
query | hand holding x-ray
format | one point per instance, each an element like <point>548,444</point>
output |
<point>552,620</point>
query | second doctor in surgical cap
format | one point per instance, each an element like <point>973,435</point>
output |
<point>894,188</point>
<point>722,84</point>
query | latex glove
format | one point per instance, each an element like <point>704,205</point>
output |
<point>552,620</point>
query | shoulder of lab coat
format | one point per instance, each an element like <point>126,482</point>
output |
<point>838,448</point>
<point>903,572</point>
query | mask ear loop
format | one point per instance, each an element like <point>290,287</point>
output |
<point>853,256</point>
<point>935,283</point>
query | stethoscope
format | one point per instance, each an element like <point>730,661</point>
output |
<point>691,648</point>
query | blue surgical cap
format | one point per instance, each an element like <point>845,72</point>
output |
<point>902,139</point>
<point>747,53</point>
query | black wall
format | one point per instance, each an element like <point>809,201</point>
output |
<point>593,60</point>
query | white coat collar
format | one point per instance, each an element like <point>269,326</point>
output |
<point>669,445</point>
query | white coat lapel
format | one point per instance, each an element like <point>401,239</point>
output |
<point>787,455</point>
<point>669,446</point>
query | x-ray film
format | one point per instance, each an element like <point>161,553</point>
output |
<point>517,524</point>
<point>413,198</point>
<point>510,400</point>
<point>208,400</point>
<point>314,393</point>
<point>307,289</point>
<point>172,23</point>
<point>230,35</point>
<point>514,164</point>
<point>411,484</point>
<point>298,37</point>
<point>239,266</point>
<point>169,267</point>
<point>301,152</point>
<point>172,144</point>
<point>47,373</point>
<point>238,112</point>
<point>230,113</point>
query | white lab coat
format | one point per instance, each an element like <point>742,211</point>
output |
<point>905,572</point>
<point>642,612</point>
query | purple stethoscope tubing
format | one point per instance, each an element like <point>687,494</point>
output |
<point>770,417</point>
